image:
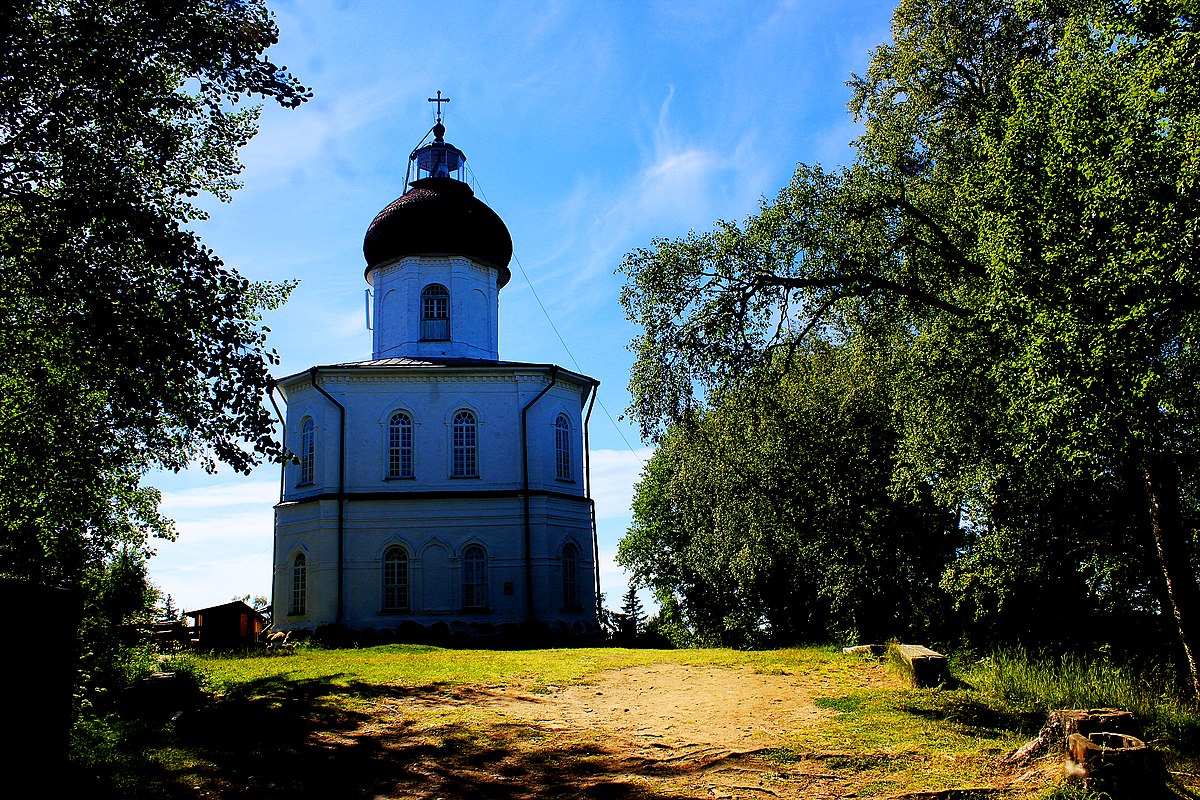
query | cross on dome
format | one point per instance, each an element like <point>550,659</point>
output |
<point>439,100</point>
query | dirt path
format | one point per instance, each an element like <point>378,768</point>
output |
<point>676,706</point>
<point>683,731</point>
<point>657,731</point>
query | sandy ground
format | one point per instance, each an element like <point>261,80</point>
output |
<point>659,731</point>
<point>676,707</point>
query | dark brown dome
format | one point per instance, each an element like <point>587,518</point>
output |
<point>439,216</point>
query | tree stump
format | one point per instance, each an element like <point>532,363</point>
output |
<point>1116,763</point>
<point>1096,720</point>
<point>1053,738</point>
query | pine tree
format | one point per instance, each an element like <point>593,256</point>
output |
<point>169,611</point>
<point>634,619</point>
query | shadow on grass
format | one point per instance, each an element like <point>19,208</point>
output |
<point>296,739</point>
<point>960,709</point>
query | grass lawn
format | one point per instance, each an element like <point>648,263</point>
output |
<point>419,721</point>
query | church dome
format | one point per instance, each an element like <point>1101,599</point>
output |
<point>439,214</point>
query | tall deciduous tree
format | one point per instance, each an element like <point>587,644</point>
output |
<point>1022,220</point>
<point>770,518</point>
<point>125,343</point>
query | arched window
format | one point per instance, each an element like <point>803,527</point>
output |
<point>435,313</point>
<point>308,450</point>
<point>465,446</point>
<point>562,448</point>
<point>570,575</point>
<point>474,570</point>
<point>400,446</point>
<point>299,585</point>
<point>395,579</point>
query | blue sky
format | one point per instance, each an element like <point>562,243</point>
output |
<point>590,128</point>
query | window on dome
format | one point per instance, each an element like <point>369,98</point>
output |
<point>435,313</point>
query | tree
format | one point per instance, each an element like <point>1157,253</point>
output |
<point>634,616</point>
<point>770,517</point>
<point>170,612</point>
<point>1094,256</point>
<point>126,344</point>
<point>258,602</point>
<point>1021,223</point>
<point>610,621</point>
<point>118,599</point>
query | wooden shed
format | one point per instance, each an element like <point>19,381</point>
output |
<point>225,626</point>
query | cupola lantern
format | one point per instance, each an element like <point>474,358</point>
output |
<point>439,158</point>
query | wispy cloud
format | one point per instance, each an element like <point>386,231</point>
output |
<point>685,182</point>
<point>197,580</point>
<point>614,472</point>
<point>226,532</point>
<point>226,526</point>
<point>350,324</point>
<point>326,125</point>
<point>234,494</point>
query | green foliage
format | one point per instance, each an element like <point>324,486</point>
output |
<point>668,625</point>
<point>1074,792</point>
<point>1033,685</point>
<point>168,611</point>
<point>118,604</point>
<point>126,343</point>
<point>1017,245</point>
<point>842,705</point>
<point>1064,562</point>
<point>102,746</point>
<point>770,518</point>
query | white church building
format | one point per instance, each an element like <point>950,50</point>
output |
<point>436,489</point>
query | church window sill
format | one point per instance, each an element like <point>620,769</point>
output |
<point>565,480</point>
<point>399,477</point>
<point>464,477</point>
